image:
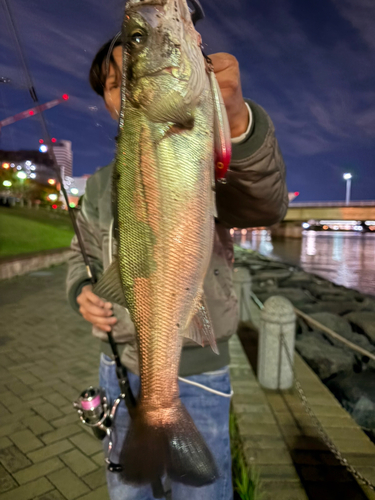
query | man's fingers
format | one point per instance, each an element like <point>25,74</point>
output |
<point>95,311</point>
<point>103,321</point>
<point>87,296</point>
<point>227,73</point>
<point>94,299</point>
<point>228,81</point>
<point>104,328</point>
<point>223,61</point>
<point>99,320</point>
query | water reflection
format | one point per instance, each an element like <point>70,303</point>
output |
<point>311,243</point>
<point>259,240</point>
<point>347,259</point>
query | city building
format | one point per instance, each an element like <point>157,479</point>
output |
<point>64,157</point>
<point>34,164</point>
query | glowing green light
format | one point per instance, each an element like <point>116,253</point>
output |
<point>21,175</point>
<point>7,183</point>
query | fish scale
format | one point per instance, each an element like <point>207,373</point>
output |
<point>169,258</point>
<point>163,186</point>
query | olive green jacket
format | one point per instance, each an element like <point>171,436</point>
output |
<point>255,195</point>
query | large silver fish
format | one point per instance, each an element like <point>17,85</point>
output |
<point>165,224</point>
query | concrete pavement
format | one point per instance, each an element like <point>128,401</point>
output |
<point>47,356</point>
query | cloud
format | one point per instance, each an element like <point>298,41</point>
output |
<point>361,14</point>
<point>320,95</point>
<point>366,121</point>
<point>58,54</point>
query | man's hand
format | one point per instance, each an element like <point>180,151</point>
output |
<point>94,310</point>
<point>227,73</point>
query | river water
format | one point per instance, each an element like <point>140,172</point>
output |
<point>344,258</point>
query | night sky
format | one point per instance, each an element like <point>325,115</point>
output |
<point>310,64</point>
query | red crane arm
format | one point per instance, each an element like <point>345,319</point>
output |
<point>33,111</point>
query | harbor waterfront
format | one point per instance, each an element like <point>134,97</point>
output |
<point>335,336</point>
<point>340,309</point>
<point>345,258</point>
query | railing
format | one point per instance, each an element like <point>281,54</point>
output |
<point>329,204</point>
<point>278,315</point>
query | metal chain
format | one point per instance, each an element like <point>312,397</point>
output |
<point>323,435</point>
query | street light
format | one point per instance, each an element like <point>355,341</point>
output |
<point>21,175</point>
<point>348,179</point>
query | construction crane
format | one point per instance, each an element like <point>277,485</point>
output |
<point>293,196</point>
<point>33,111</point>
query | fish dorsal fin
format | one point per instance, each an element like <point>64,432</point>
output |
<point>109,286</point>
<point>200,329</point>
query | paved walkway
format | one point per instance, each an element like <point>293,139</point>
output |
<point>281,440</point>
<point>47,356</point>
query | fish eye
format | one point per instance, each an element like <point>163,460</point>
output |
<point>137,38</point>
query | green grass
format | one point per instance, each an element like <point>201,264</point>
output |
<point>56,218</point>
<point>29,230</point>
<point>246,480</point>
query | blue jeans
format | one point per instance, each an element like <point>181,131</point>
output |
<point>210,413</point>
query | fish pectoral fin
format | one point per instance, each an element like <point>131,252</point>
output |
<point>200,329</point>
<point>109,286</point>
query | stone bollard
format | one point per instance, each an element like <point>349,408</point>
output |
<point>274,370</point>
<point>242,287</point>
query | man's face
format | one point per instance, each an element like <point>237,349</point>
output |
<point>112,89</point>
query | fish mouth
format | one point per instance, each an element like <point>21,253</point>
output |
<point>171,70</point>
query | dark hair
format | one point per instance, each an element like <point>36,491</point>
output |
<point>98,71</point>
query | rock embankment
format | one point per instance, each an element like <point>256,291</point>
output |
<point>349,375</point>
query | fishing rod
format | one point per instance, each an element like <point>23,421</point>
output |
<point>121,372</point>
<point>47,136</point>
<point>92,405</point>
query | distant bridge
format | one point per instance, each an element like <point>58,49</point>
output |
<point>331,210</point>
<point>291,226</point>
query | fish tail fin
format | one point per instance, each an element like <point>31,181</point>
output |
<point>176,448</point>
<point>143,452</point>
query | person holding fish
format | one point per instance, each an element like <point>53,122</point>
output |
<point>156,228</point>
